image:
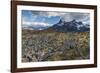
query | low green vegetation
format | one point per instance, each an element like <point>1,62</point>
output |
<point>54,46</point>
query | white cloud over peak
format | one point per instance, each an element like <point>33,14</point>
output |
<point>40,24</point>
<point>66,16</point>
<point>34,24</point>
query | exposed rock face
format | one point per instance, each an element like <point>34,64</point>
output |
<point>72,26</point>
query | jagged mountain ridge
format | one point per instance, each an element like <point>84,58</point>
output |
<point>62,26</point>
<point>72,26</point>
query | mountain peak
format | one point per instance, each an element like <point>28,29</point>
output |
<point>72,26</point>
<point>73,20</point>
<point>60,23</point>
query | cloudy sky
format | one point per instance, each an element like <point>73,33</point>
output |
<point>47,18</point>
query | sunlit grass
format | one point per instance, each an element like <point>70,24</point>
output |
<point>54,46</point>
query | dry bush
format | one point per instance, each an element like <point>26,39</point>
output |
<point>54,46</point>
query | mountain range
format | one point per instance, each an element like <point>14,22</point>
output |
<point>72,26</point>
<point>63,26</point>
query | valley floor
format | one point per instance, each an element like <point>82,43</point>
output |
<point>54,46</point>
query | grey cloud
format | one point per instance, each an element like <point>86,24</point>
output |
<point>66,16</point>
